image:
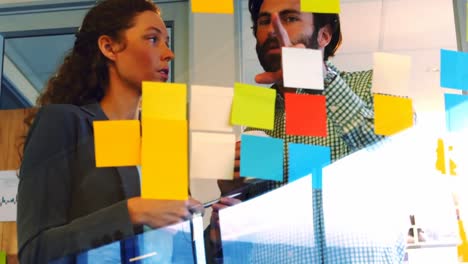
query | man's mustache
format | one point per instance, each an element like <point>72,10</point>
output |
<point>271,43</point>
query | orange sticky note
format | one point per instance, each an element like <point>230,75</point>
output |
<point>213,6</point>
<point>117,143</point>
<point>164,159</point>
<point>320,6</point>
<point>166,101</point>
<point>392,114</point>
<point>306,115</point>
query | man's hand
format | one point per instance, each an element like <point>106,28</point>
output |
<point>237,161</point>
<point>224,202</point>
<point>283,37</point>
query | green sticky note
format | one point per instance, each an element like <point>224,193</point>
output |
<point>3,257</point>
<point>321,6</point>
<point>253,106</point>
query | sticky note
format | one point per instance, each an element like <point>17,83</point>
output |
<point>210,108</point>
<point>392,114</point>
<point>320,6</point>
<point>3,257</point>
<point>117,143</point>
<point>212,155</point>
<point>440,160</point>
<point>306,115</point>
<point>213,6</point>
<point>454,69</point>
<point>306,159</point>
<point>261,157</point>
<point>302,68</point>
<point>164,159</point>
<point>167,101</point>
<point>456,112</point>
<point>391,74</point>
<point>253,106</point>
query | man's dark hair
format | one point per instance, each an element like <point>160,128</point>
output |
<point>320,20</point>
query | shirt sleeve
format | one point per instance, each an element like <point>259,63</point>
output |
<point>353,116</point>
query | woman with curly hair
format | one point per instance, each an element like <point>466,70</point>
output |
<point>65,204</point>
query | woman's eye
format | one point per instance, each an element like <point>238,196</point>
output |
<point>153,39</point>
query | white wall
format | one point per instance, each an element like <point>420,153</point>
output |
<point>417,28</point>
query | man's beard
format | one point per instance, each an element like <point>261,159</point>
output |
<point>272,62</point>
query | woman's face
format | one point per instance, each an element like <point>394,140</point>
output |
<point>146,54</point>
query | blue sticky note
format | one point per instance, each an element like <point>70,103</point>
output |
<point>454,69</point>
<point>308,159</point>
<point>261,157</point>
<point>456,112</point>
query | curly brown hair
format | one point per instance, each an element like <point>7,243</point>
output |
<point>83,76</point>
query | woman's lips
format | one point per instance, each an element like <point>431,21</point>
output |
<point>164,74</point>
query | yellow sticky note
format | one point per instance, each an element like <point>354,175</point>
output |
<point>321,6</point>
<point>213,6</point>
<point>167,101</point>
<point>253,106</point>
<point>440,161</point>
<point>117,143</point>
<point>392,114</point>
<point>164,159</point>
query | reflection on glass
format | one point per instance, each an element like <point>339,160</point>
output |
<point>28,64</point>
<point>277,227</point>
<point>172,244</point>
<point>394,186</point>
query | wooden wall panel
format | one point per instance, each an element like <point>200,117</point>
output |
<point>12,128</point>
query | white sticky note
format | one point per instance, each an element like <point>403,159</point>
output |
<point>212,155</point>
<point>302,68</point>
<point>391,74</point>
<point>210,108</point>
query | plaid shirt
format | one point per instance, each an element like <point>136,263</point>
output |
<point>350,127</point>
<point>350,122</point>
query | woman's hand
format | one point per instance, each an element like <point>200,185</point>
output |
<point>159,213</point>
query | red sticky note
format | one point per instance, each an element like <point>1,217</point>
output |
<point>306,115</point>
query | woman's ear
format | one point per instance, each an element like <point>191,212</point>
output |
<point>324,36</point>
<point>107,47</point>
